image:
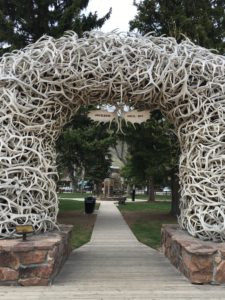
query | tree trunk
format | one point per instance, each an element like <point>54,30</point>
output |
<point>175,186</point>
<point>128,190</point>
<point>98,189</point>
<point>72,177</point>
<point>151,190</point>
<point>82,178</point>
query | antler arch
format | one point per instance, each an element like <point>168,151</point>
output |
<point>43,85</point>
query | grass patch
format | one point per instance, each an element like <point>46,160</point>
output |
<point>160,207</point>
<point>145,220</point>
<point>72,212</point>
<point>148,232</point>
<point>71,205</point>
<point>163,197</point>
<point>80,236</point>
<point>157,197</point>
<point>73,195</point>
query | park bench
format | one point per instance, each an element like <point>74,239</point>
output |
<point>122,199</point>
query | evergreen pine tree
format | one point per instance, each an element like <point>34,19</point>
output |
<point>203,21</point>
<point>23,22</point>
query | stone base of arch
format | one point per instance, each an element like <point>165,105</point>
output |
<point>202,262</point>
<point>34,262</point>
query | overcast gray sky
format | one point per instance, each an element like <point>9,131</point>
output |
<point>122,12</point>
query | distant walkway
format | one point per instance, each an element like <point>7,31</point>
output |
<point>114,265</point>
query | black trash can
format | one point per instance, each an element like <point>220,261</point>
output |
<point>89,204</point>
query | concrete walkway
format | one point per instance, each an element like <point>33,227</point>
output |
<point>114,265</point>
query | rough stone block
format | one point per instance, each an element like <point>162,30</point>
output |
<point>32,257</point>
<point>43,271</point>
<point>175,250</point>
<point>220,273</point>
<point>35,261</point>
<point>7,274</point>
<point>9,259</point>
<point>34,281</point>
<point>198,268</point>
<point>201,262</point>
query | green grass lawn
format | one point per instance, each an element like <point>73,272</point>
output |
<point>145,220</point>
<point>157,197</point>
<point>71,205</point>
<point>72,212</point>
<point>73,195</point>
<point>160,207</point>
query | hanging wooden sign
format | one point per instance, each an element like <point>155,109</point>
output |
<point>135,116</point>
<point>101,116</point>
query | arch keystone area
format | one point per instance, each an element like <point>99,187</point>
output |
<point>43,85</point>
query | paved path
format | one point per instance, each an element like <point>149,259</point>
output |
<point>114,265</point>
